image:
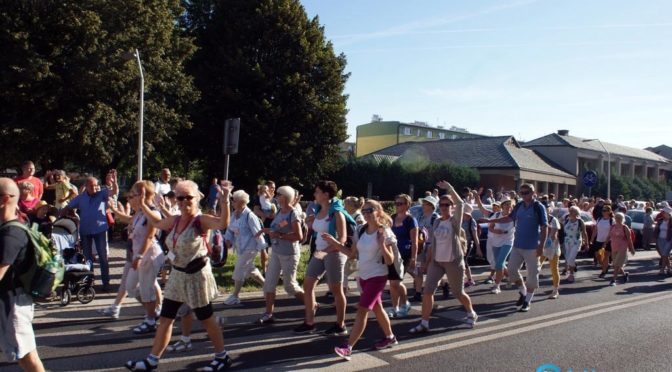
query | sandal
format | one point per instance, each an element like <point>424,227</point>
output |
<point>179,346</point>
<point>217,364</point>
<point>140,365</point>
<point>144,328</point>
<point>418,329</point>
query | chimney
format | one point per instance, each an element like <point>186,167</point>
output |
<point>563,132</point>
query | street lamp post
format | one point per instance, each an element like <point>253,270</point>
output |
<point>129,56</point>
<point>608,167</point>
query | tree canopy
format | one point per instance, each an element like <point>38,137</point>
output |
<point>266,62</point>
<point>68,96</point>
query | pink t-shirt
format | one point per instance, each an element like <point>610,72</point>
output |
<point>38,188</point>
<point>619,242</point>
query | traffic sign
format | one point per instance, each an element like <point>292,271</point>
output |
<point>589,178</point>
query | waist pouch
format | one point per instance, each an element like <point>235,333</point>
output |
<point>194,266</point>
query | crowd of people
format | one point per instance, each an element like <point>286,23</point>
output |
<point>170,224</point>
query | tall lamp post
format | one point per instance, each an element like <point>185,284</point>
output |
<point>130,56</point>
<point>608,167</point>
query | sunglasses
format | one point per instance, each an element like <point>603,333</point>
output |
<point>185,197</point>
<point>447,205</point>
<point>367,210</point>
<point>399,203</point>
<point>525,192</point>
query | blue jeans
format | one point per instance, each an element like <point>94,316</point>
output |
<point>100,240</point>
<point>501,253</point>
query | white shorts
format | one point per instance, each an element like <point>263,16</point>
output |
<point>17,338</point>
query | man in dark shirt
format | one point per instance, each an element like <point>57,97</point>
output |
<point>17,339</point>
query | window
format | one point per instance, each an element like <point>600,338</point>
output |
<point>442,135</point>
<point>407,131</point>
<point>453,137</point>
<point>429,134</point>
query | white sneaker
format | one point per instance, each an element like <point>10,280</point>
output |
<point>495,290</point>
<point>110,311</point>
<point>232,300</point>
<point>472,319</point>
<point>554,294</point>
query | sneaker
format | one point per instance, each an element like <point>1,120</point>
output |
<point>179,346</point>
<point>554,294</point>
<point>526,307</point>
<point>110,312</point>
<point>232,300</point>
<point>469,283</point>
<point>391,313</point>
<point>336,330</point>
<point>265,319</point>
<point>495,290</point>
<point>570,278</point>
<point>144,328</point>
<point>446,291</point>
<point>489,280</point>
<point>472,319</point>
<point>386,343</point>
<point>521,299</point>
<point>612,283</point>
<point>417,297</point>
<point>418,329</point>
<point>343,351</point>
<point>602,274</point>
<point>404,310</point>
<point>305,328</point>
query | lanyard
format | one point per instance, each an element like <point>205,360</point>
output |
<point>176,235</point>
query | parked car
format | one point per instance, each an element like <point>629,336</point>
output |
<point>637,216</point>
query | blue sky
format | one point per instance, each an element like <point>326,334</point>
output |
<point>602,69</point>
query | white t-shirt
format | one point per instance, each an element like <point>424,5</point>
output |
<point>443,252</point>
<point>603,227</point>
<point>137,234</point>
<point>161,188</point>
<point>500,240</point>
<point>265,203</point>
<point>321,226</point>
<point>371,262</point>
<point>663,229</point>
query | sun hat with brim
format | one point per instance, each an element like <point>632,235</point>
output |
<point>667,210</point>
<point>430,199</point>
<point>468,209</point>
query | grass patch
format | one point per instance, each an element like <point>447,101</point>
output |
<point>224,275</point>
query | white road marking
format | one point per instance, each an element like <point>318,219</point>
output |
<point>477,331</point>
<point>513,332</point>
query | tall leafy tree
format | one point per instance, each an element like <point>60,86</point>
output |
<point>266,62</point>
<point>68,96</point>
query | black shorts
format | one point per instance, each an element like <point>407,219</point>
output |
<point>596,246</point>
<point>169,310</point>
<point>392,273</point>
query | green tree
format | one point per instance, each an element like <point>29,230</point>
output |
<point>266,62</point>
<point>68,96</point>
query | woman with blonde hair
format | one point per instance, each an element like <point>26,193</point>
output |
<point>373,244</point>
<point>191,280</point>
<point>147,256</point>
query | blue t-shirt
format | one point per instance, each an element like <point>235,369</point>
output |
<point>528,222</point>
<point>92,211</point>
<point>212,194</point>
<point>403,234</point>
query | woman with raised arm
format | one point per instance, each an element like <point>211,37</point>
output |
<point>446,258</point>
<point>191,281</point>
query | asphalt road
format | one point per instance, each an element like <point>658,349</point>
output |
<point>590,327</point>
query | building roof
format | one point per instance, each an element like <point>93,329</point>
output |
<point>484,153</point>
<point>662,150</point>
<point>555,139</point>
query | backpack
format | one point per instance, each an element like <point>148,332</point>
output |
<point>46,273</point>
<point>423,235</point>
<point>397,261</point>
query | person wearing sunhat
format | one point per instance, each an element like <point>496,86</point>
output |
<point>425,223</point>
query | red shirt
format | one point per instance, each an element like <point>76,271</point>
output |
<point>38,189</point>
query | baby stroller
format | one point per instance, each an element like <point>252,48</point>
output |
<point>78,278</point>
